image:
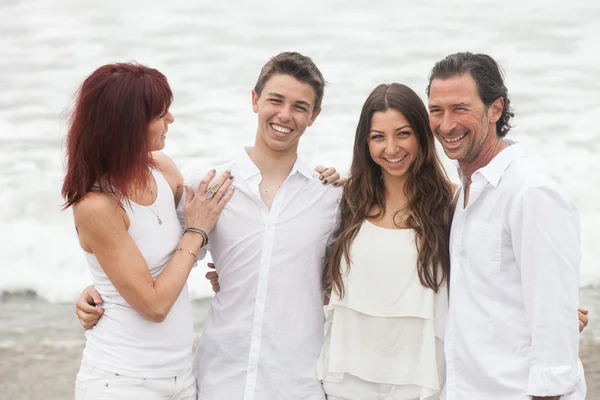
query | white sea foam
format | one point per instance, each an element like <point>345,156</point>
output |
<point>212,55</point>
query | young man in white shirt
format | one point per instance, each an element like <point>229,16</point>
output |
<point>264,329</point>
<point>512,329</point>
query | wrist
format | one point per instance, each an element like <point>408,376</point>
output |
<point>197,231</point>
<point>192,241</point>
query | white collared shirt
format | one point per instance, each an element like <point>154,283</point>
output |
<point>512,329</point>
<point>264,330</point>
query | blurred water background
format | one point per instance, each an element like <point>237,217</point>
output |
<point>212,53</point>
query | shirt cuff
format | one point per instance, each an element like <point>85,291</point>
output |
<point>552,381</point>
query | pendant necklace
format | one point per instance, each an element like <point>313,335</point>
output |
<point>150,207</point>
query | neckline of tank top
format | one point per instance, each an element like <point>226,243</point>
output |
<point>388,229</point>
<point>154,172</point>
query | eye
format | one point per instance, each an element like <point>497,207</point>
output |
<point>301,108</point>
<point>376,136</point>
<point>275,101</point>
<point>434,111</point>
<point>404,133</point>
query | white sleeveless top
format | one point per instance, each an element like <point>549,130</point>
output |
<point>123,341</point>
<point>388,328</point>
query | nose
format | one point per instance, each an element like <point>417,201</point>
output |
<point>285,113</point>
<point>391,146</point>
<point>170,118</point>
<point>447,124</point>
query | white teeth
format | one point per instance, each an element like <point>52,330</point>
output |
<point>281,129</point>
<point>455,139</point>
<point>394,160</point>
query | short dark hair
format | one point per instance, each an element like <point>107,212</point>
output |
<point>296,65</point>
<point>488,76</point>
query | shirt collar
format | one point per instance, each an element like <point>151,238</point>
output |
<point>248,169</point>
<point>495,168</point>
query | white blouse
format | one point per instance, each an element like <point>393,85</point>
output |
<point>388,328</point>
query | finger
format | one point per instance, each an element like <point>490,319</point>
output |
<point>95,296</point>
<point>226,197</point>
<point>581,326</point>
<point>211,265</point>
<point>210,275</point>
<point>583,311</point>
<point>203,184</point>
<point>328,172</point>
<point>189,194</point>
<point>340,182</point>
<point>224,188</point>
<point>320,169</point>
<point>216,288</point>
<point>331,178</point>
<point>87,319</point>
<point>86,307</point>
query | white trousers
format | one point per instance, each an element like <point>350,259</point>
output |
<point>353,388</point>
<point>95,384</point>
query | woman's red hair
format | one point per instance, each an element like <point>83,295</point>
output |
<point>107,141</point>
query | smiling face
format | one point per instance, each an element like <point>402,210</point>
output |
<point>393,144</point>
<point>285,108</point>
<point>459,119</point>
<point>157,130</point>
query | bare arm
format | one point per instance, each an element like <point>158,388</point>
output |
<point>103,229</point>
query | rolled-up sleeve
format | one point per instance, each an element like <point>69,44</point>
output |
<point>546,239</point>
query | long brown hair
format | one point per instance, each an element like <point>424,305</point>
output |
<point>107,142</point>
<point>427,188</point>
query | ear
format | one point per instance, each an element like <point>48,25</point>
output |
<point>255,97</point>
<point>495,110</point>
<point>314,116</point>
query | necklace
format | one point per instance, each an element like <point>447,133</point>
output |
<point>154,212</point>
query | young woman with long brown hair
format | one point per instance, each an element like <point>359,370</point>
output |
<point>389,265</point>
<point>123,196</point>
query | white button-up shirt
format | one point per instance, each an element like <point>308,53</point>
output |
<point>512,329</point>
<point>264,330</point>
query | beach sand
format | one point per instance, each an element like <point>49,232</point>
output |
<point>41,344</point>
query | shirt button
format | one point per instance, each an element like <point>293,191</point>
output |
<point>252,369</point>
<point>257,334</point>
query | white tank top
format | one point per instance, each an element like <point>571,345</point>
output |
<point>388,328</point>
<point>123,341</point>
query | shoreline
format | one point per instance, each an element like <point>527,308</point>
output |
<point>41,345</point>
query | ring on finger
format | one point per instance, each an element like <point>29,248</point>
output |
<point>211,191</point>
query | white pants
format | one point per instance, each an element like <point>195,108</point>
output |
<point>353,388</point>
<point>93,383</point>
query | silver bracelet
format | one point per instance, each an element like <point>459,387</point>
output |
<point>199,231</point>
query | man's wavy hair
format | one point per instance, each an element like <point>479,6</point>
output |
<point>488,76</point>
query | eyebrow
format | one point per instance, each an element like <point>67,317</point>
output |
<point>281,97</point>
<point>397,129</point>
<point>461,104</point>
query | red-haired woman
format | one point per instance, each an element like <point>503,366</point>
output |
<point>124,196</point>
